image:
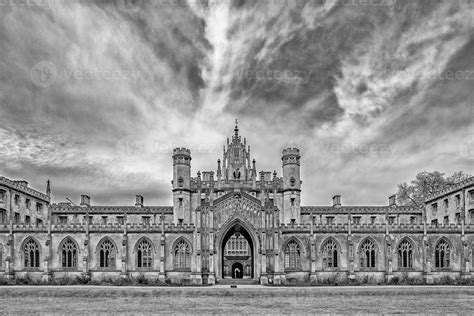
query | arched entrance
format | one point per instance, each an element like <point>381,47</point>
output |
<point>237,253</point>
<point>237,271</point>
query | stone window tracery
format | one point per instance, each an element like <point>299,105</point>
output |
<point>69,254</point>
<point>330,254</point>
<point>292,255</point>
<point>144,254</point>
<point>367,254</point>
<point>405,254</point>
<point>32,254</point>
<point>442,254</point>
<point>107,254</point>
<point>182,255</point>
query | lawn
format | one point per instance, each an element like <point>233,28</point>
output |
<point>243,300</point>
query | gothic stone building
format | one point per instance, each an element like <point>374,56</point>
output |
<point>235,223</point>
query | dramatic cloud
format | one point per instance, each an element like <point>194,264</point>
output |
<point>95,94</point>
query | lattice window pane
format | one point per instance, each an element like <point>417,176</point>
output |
<point>31,254</point>
<point>107,254</point>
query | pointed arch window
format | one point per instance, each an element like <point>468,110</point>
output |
<point>182,255</point>
<point>145,255</point>
<point>442,254</point>
<point>69,254</point>
<point>405,254</point>
<point>31,251</point>
<point>292,255</point>
<point>330,254</point>
<point>367,254</point>
<point>107,254</point>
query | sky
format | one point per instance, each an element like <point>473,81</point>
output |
<point>94,95</point>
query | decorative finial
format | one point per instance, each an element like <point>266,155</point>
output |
<point>236,130</point>
<point>48,188</point>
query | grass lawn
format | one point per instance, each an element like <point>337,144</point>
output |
<point>243,300</point>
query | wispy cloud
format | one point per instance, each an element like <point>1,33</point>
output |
<point>94,95</point>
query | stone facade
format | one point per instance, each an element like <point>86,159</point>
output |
<point>186,242</point>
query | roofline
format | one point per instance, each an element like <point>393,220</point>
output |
<point>452,188</point>
<point>26,190</point>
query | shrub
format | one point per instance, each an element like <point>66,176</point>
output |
<point>415,281</point>
<point>394,281</point>
<point>141,279</point>
<point>83,279</point>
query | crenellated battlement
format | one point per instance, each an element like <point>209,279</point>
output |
<point>22,186</point>
<point>450,189</point>
<point>181,151</point>
<point>290,151</point>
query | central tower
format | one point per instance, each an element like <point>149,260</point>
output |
<point>236,158</point>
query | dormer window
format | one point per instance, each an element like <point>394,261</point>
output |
<point>180,182</point>
<point>2,195</point>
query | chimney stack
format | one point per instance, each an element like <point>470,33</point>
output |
<point>336,201</point>
<point>139,201</point>
<point>392,200</point>
<point>85,200</point>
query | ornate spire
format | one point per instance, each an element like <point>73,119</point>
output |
<point>236,129</point>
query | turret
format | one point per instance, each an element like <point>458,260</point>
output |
<point>181,185</point>
<point>291,185</point>
<point>181,168</point>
